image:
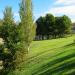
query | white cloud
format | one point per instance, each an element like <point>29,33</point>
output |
<point>65,2</point>
<point>64,7</point>
<point>67,10</point>
<point>64,10</point>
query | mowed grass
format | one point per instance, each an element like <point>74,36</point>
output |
<point>51,57</point>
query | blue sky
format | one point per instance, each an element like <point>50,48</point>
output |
<point>41,7</point>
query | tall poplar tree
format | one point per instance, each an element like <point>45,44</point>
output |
<point>26,32</point>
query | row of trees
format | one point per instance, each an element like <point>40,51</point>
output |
<point>17,37</point>
<point>52,27</point>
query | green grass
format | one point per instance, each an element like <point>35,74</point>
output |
<point>51,57</point>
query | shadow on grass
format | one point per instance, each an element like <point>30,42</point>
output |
<point>56,61</point>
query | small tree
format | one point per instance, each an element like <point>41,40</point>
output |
<point>8,31</point>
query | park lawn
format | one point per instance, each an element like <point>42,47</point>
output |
<point>50,57</point>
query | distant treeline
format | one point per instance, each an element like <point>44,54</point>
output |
<point>52,27</point>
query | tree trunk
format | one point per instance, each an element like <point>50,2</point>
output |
<point>47,37</point>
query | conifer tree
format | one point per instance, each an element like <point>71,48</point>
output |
<point>8,33</point>
<point>26,32</point>
<point>8,16</point>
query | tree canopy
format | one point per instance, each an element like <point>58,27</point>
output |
<point>52,27</point>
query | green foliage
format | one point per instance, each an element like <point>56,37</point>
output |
<point>50,21</point>
<point>10,37</point>
<point>1,22</point>
<point>67,24</point>
<point>8,16</point>
<point>17,38</point>
<point>59,26</point>
<point>26,33</point>
<point>63,25</point>
<point>52,27</point>
<point>9,33</point>
<point>41,27</point>
<point>27,26</point>
<point>45,25</point>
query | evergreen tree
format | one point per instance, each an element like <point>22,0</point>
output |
<point>8,16</point>
<point>26,32</point>
<point>1,22</point>
<point>8,31</point>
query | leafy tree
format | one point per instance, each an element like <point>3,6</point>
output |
<point>59,29</point>
<point>45,25</point>
<point>53,26</point>
<point>50,20</point>
<point>62,25</point>
<point>41,27</point>
<point>67,24</point>
<point>26,32</point>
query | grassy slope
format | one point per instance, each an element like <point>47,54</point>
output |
<point>51,57</point>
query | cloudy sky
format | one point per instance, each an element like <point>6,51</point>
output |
<point>41,7</point>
